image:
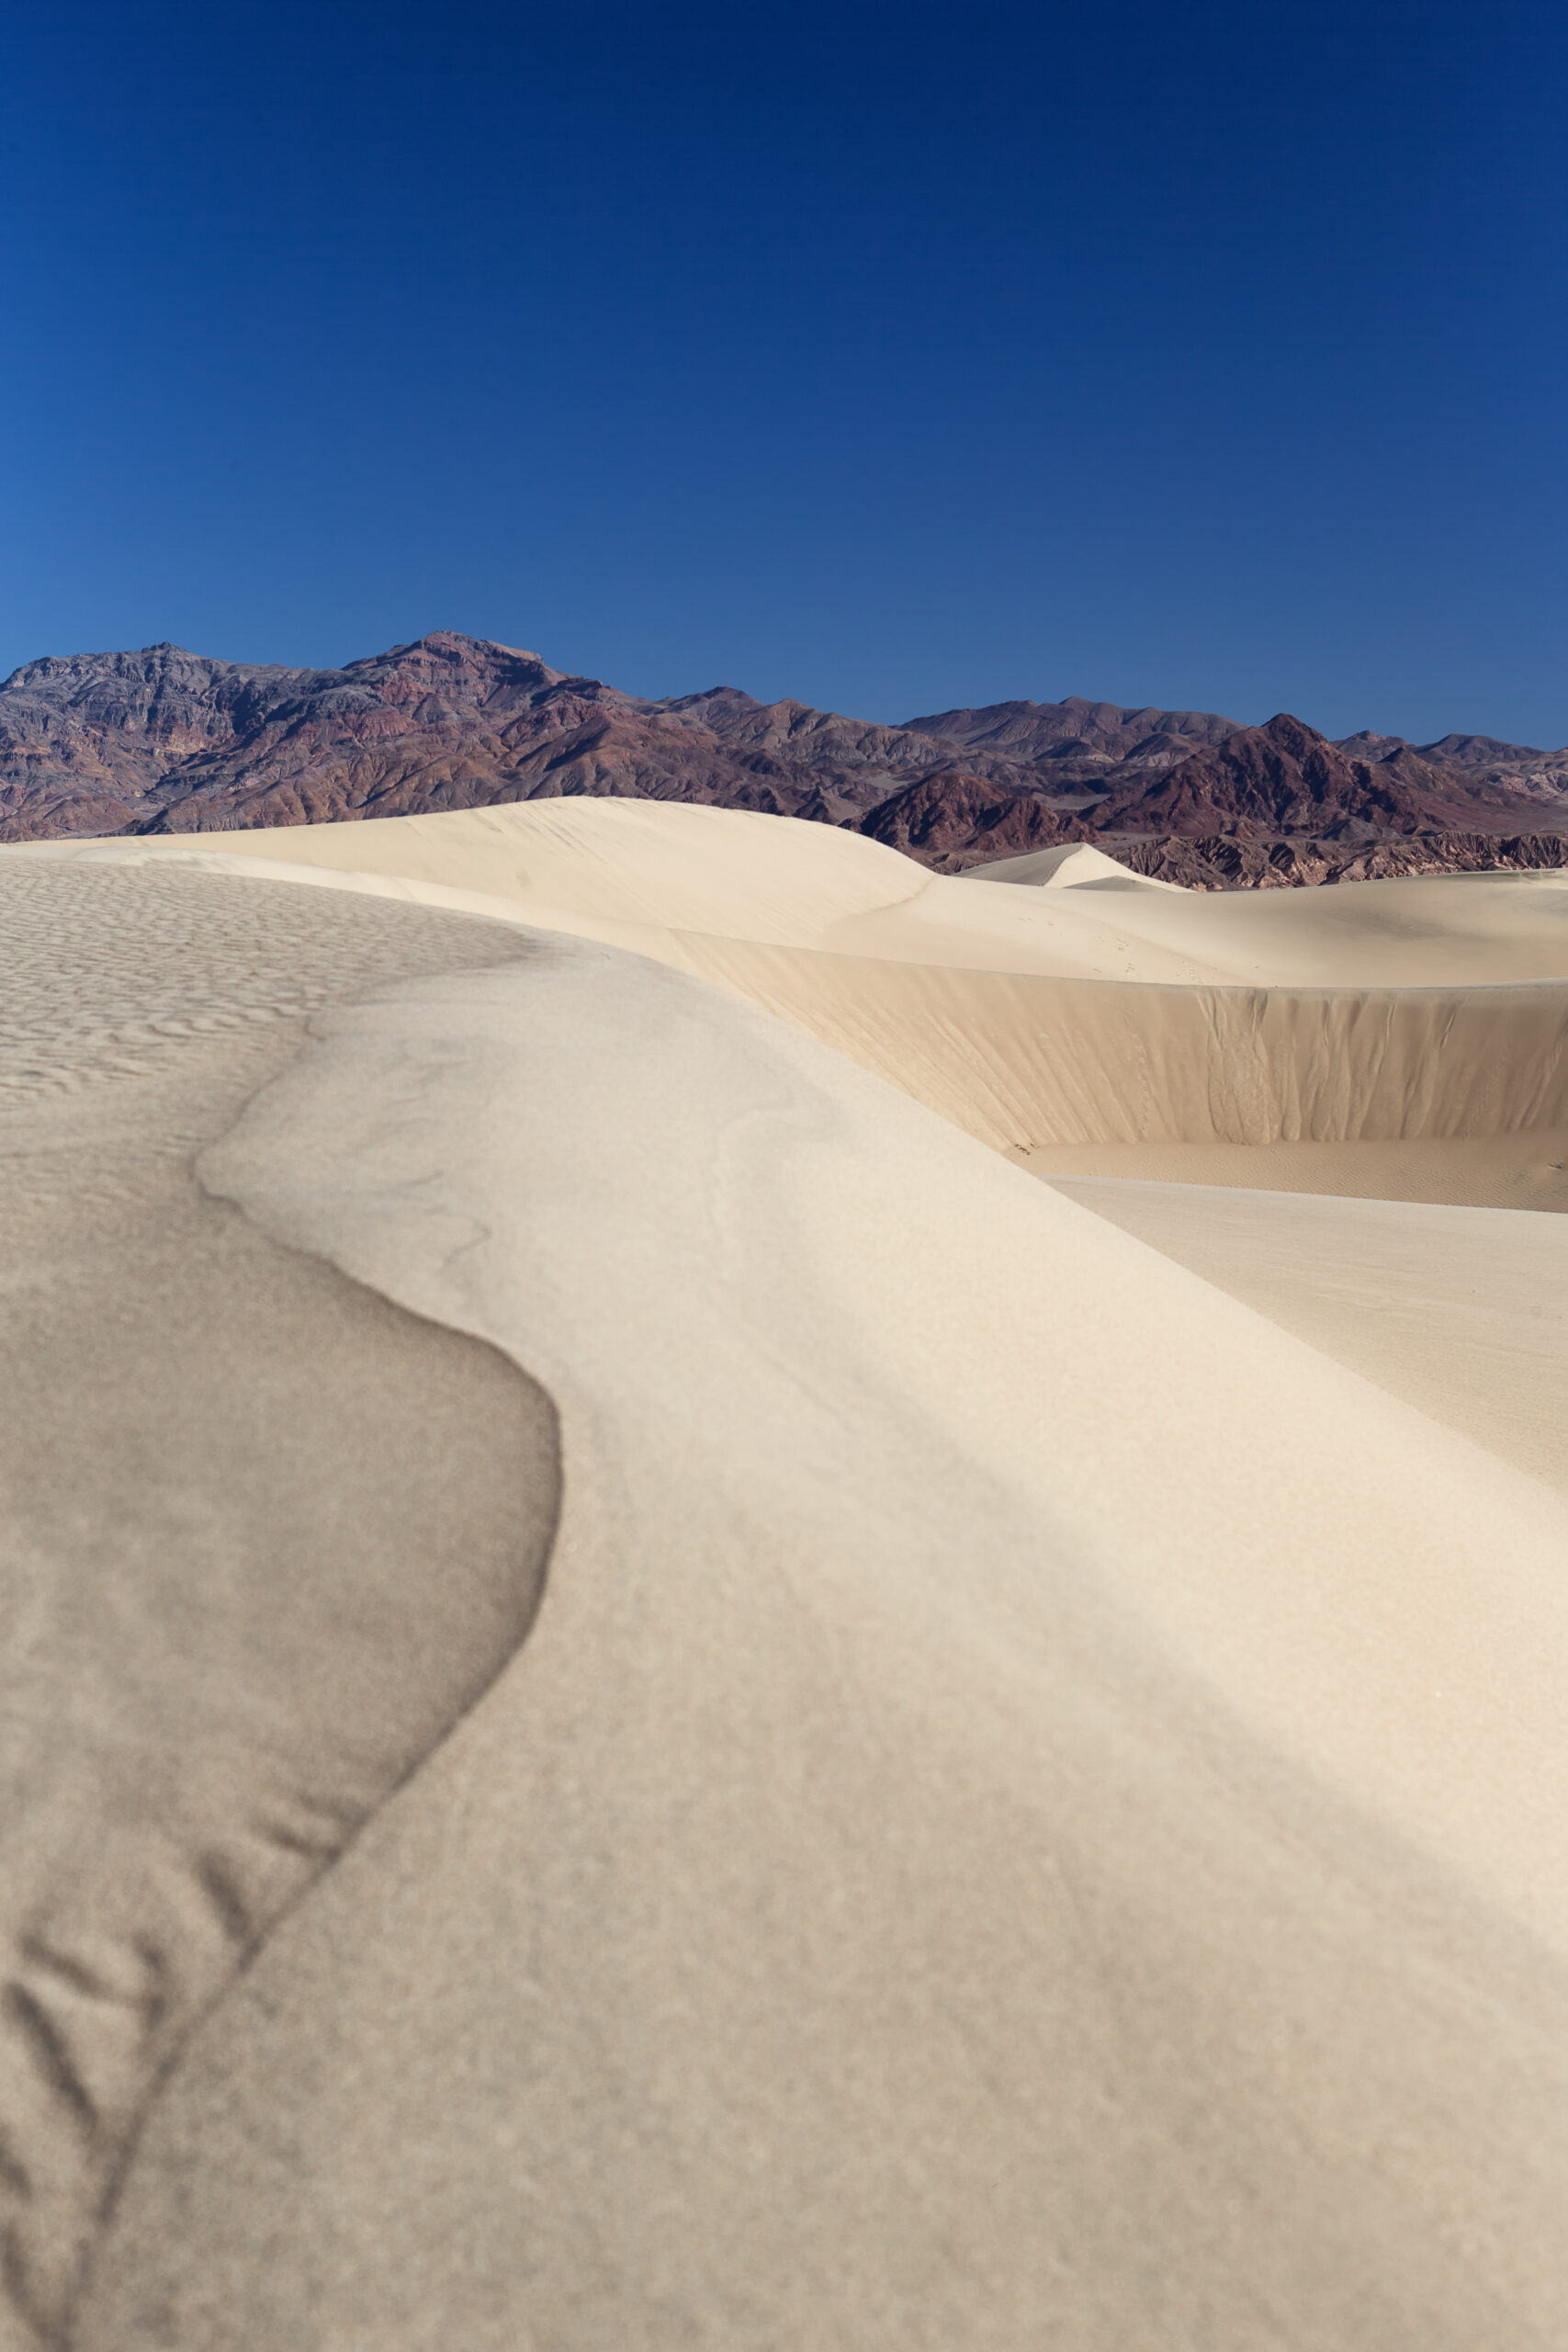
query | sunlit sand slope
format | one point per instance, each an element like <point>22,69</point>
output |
<point>630,869</point>
<point>1072,866</point>
<point>1044,1020</point>
<point>1461,1311</point>
<point>1030,1811</point>
<point>1030,1808</point>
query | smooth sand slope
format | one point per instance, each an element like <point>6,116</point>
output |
<point>1461,1311</point>
<point>265,1534</point>
<point>1410,1032</point>
<point>918,1884</point>
<point>633,869</point>
<point>1028,1810</point>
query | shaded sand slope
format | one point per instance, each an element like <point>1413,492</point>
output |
<point>1030,1813</point>
<point>1461,1311</point>
<point>265,1534</point>
<point>1523,1167</point>
<point>1048,1021</point>
<point>1023,1063</point>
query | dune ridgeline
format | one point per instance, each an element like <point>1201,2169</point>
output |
<point>760,1600</point>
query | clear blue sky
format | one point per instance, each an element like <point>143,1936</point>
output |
<point>890,357</point>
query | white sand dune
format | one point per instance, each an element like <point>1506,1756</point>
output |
<point>263,1536</point>
<point>1029,1811</point>
<point>1525,1168</point>
<point>1421,1013</point>
<point>1073,866</point>
<point>631,870</point>
<point>1461,1311</point>
<point>918,1884</point>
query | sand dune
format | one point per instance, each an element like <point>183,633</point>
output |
<point>1524,1169</point>
<point>630,870</point>
<point>265,1534</point>
<point>1461,1311</point>
<point>1419,1014</point>
<point>1072,866</point>
<point>917,1883</point>
<point>652,1701</point>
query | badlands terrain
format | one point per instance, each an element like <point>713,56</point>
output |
<point>763,1600</point>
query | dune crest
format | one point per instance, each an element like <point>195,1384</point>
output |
<point>1030,1809</point>
<point>1071,865</point>
<point>265,1536</point>
<point>919,1883</point>
<point>1047,1021</point>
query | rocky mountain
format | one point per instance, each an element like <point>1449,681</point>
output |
<point>85,737</point>
<point>942,818</point>
<point>1480,759</point>
<point>1276,785</point>
<point>1077,745</point>
<point>167,742</point>
<point>1222,863</point>
<point>162,740</point>
<point>1284,779</point>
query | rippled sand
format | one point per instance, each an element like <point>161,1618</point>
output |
<point>652,1701</point>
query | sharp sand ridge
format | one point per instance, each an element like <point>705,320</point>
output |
<point>1422,1021</point>
<point>653,1701</point>
<point>266,1534</point>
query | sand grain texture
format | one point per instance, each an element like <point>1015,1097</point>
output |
<point>266,1534</point>
<point>916,1884</point>
<point>1463,1312</point>
<point>660,1704</point>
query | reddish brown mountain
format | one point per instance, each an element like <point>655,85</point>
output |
<point>85,739</point>
<point>163,740</point>
<point>168,741</point>
<point>1284,780</point>
<point>1080,744</point>
<point>954,817</point>
<point>1222,863</point>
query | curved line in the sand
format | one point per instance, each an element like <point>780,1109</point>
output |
<point>170,2065</point>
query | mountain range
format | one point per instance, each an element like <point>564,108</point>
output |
<point>162,741</point>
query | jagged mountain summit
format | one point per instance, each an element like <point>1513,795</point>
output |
<point>163,740</point>
<point>1283,780</point>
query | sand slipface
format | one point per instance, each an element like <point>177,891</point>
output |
<point>1410,1033</point>
<point>916,1883</point>
<point>1030,1807</point>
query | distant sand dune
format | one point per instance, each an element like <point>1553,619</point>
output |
<point>627,870</point>
<point>1246,1019</point>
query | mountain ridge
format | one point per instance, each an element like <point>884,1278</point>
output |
<point>162,740</point>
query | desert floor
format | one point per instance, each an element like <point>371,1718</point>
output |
<point>753,1601</point>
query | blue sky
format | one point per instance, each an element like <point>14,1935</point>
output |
<point>890,357</point>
